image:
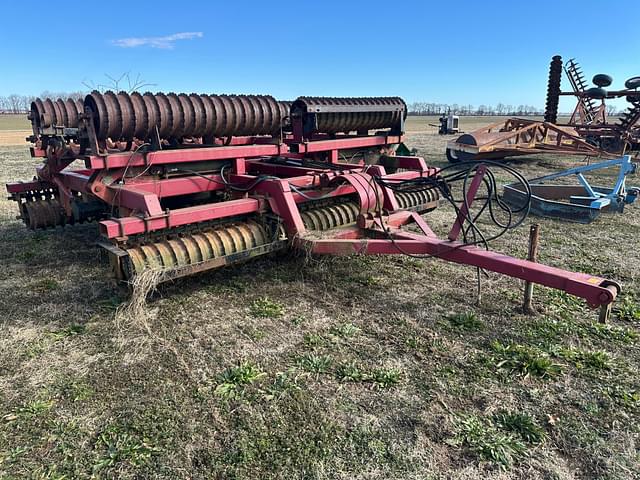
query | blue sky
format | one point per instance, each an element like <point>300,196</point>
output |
<point>466,52</point>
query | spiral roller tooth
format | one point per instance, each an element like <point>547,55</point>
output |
<point>125,116</point>
<point>45,113</point>
<point>417,198</point>
<point>41,214</point>
<point>347,121</point>
<point>194,249</point>
<point>332,216</point>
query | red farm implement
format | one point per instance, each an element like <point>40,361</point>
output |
<point>518,136</point>
<point>185,183</point>
<point>588,132</point>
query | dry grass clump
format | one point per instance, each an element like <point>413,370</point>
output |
<point>136,312</point>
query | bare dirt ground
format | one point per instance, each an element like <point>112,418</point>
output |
<point>294,368</point>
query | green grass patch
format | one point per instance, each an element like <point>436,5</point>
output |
<point>467,321</point>
<point>73,389</point>
<point>68,331</point>
<point>628,310</point>
<point>14,121</point>
<point>314,340</point>
<point>284,383</point>
<point>624,396</point>
<point>346,330</point>
<point>266,308</point>
<point>547,331</point>
<point>486,441</point>
<point>524,360</point>
<point>414,341</point>
<point>31,410</point>
<point>520,423</point>
<point>45,285</point>
<point>563,305</point>
<point>313,363</point>
<point>350,372</point>
<point>116,446</point>
<point>379,377</point>
<point>386,377</point>
<point>586,360</point>
<point>606,331</point>
<point>234,379</point>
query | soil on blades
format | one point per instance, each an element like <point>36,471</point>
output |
<point>290,367</point>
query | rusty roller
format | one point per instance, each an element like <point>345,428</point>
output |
<point>40,214</point>
<point>331,216</point>
<point>195,249</point>
<point>553,90</point>
<point>334,115</point>
<point>417,198</point>
<point>123,116</point>
<point>60,113</point>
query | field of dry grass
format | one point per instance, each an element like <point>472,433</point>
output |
<point>295,368</point>
<point>14,129</point>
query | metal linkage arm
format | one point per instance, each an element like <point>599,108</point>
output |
<point>595,290</point>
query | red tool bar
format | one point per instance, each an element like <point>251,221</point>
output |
<point>129,197</point>
<point>320,194</point>
<point>76,180</point>
<point>291,170</point>
<point>415,163</point>
<point>172,187</point>
<point>122,227</point>
<point>24,187</point>
<point>160,157</point>
<point>582,285</point>
<point>277,169</point>
<point>345,143</point>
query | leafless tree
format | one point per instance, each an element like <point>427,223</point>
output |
<point>123,82</point>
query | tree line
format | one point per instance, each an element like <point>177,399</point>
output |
<point>426,108</point>
<point>15,103</point>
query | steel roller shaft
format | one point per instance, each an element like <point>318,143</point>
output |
<point>123,116</point>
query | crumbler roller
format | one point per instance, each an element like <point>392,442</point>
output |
<point>182,183</point>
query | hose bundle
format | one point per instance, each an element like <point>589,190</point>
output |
<point>490,204</point>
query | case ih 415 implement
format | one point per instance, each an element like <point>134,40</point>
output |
<point>185,183</point>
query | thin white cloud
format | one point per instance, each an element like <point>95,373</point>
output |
<point>166,42</point>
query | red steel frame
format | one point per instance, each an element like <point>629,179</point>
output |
<point>378,231</point>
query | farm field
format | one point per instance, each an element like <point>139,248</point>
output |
<point>14,129</point>
<point>318,368</point>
